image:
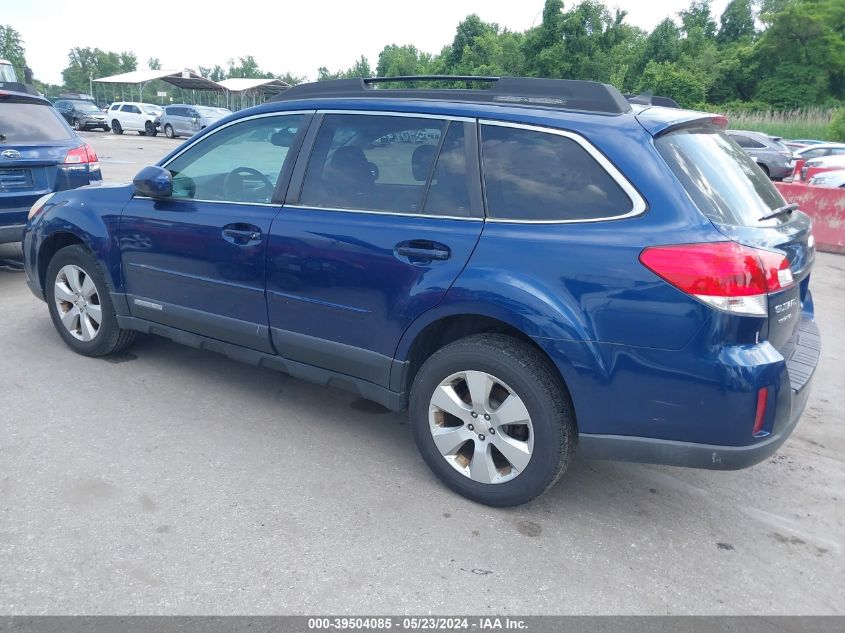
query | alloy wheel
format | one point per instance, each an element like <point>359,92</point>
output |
<point>78,302</point>
<point>481,427</point>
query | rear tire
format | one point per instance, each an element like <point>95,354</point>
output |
<point>77,296</point>
<point>115,127</point>
<point>544,433</point>
<point>765,169</point>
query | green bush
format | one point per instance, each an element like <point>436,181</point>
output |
<point>836,129</point>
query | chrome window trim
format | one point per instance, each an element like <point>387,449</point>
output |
<point>248,204</point>
<point>409,115</point>
<point>263,115</point>
<point>638,204</point>
<point>407,214</point>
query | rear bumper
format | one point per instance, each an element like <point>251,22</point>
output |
<point>672,453</point>
<point>791,400</point>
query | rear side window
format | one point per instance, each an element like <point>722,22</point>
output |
<point>723,181</point>
<point>370,162</point>
<point>31,123</point>
<point>531,175</point>
<point>448,193</point>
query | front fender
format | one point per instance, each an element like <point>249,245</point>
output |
<point>92,216</point>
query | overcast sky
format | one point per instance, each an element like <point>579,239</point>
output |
<point>296,37</point>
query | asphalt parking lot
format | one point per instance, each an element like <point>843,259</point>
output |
<point>170,480</point>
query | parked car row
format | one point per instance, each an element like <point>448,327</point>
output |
<point>798,160</point>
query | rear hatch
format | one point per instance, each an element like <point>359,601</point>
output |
<point>739,199</point>
<point>34,141</point>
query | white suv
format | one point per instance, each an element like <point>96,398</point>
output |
<point>131,116</point>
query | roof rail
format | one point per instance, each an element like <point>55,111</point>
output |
<point>567,94</point>
<point>647,98</point>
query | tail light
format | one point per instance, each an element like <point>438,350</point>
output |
<point>726,275</point>
<point>84,155</point>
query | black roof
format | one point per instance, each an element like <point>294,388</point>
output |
<point>567,94</point>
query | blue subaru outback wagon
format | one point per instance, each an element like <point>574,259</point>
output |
<point>533,269</point>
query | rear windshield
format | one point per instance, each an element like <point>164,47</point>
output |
<point>725,184</point>
<point>31,123</point>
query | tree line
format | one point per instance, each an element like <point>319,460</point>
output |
<point>757,54</point>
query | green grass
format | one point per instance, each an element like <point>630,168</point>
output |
<point>811,123</point>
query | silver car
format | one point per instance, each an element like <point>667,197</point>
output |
<point>186,120</point>
<point>769,152</point>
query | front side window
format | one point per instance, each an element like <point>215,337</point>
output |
<point>371,162</point>
<point>239,163</point>
<point>531,175</point>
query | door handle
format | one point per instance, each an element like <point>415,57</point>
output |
<point>241,236</point>
<point>423,251</point>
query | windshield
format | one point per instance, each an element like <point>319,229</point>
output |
<point>85,106</point>
<point>205,111</point>
<point>724,183</point>
<point>152,109</point>
<point>31,123</point>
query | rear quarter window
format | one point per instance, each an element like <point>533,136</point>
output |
<point>544,176</point>
<point>31,123</point>
<point>725,184</point>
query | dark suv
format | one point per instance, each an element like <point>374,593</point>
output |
<point>82,115</point>
<point>534,270</point>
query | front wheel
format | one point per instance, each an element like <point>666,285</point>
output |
<point>168,131</point>
<point>80,305</point>
<point>77,125</point>
<point>492,419</point>
<point>116,127</point>
<point>150,128</point>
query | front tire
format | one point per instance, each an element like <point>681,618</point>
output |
<point>492,419</point>
<point>115,127</point>
<point>150,129</point>
<point>80,305</point>
<point>77,125</point>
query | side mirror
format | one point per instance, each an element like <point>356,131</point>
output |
<point>153,182</point>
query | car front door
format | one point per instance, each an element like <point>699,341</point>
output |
<point>128,117</point>
<point>374,231</point>
<point>195,260</point>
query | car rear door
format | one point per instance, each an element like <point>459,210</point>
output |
<point>378,223</point>
<point>195,261</point>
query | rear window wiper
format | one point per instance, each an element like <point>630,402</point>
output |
<point>787,208</point>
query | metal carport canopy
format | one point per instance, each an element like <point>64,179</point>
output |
<point>242,84</point>
<point>185,79</point>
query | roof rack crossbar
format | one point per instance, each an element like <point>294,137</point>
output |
<point>566,94</point>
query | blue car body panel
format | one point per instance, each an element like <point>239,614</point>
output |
<point>654,374</point>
